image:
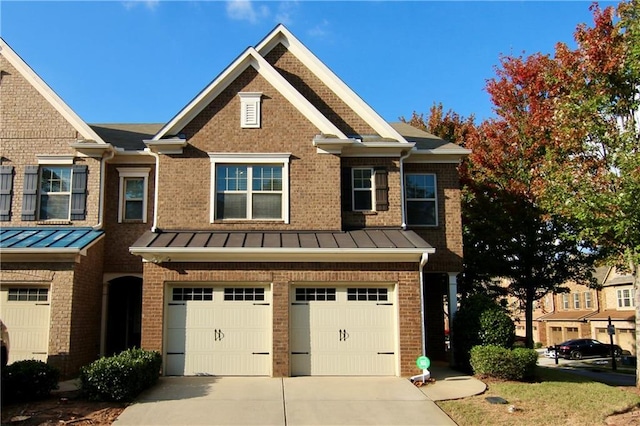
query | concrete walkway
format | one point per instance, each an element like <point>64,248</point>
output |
<point>298,401</point>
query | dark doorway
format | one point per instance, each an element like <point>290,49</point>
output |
<point>124,315</point>
<point>436,330</point>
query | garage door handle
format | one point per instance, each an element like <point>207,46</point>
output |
<point>343,335</point>
<point>259,353</point>
<point>299,353</point>
<point>386,353</point>
<point>217,335</point>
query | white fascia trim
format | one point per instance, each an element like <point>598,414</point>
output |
<point>247,254</point>
<point>282,35</point>
<point>249,58</point>
<point>251,158</point>
<point>34,79</point>
<point>62,160</point>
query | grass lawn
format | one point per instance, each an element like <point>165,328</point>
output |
<point>557,398</point>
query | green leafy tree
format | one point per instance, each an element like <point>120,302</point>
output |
<point>591,175</point>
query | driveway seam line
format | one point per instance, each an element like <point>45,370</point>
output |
<point>284,403</point>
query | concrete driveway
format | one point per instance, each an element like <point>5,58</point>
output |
<point>283,401</point>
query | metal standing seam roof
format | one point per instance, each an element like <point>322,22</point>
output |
<point>35,239</point>
<point>360,239</point>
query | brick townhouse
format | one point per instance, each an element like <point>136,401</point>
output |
<point>276,226</point>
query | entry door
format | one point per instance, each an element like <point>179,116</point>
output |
<point>26,314</point>
<point>222,331</point>
<point>342,331</point>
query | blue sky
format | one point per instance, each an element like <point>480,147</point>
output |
<point>142,61</point>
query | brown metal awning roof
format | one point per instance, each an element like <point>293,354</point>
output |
<point>371,245</point>
<point>615,315</point>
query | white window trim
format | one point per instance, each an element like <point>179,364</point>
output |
<point>621,298</point>
<point>55,160</point>
<point>435,199</point>
<point>565,301</point>
<point>250,100</point>
<point>576,300</point>
<point>372,189</point>
<point>133,172</point>
<point>251,159</point>
<point>588,302</point>
<point>40,193</point>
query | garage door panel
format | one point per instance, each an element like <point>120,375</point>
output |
<point>225,335</point>
<point>353,334</point>
<point>26,314</point>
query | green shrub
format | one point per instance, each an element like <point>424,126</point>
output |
<point>473,325</point>
<point>502,363</point>
<point>121,377</point>
<point>28,380</point>
<point>537,345</point>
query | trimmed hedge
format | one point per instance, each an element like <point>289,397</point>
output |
<point>502,363</point>
<point>28,380</point>
<point>121,377</point>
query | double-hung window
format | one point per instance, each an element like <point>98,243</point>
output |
<point>420,190</point>
<point>250,188</point>
<point>625,298</point>
<point>363,193</point>
<point>576,300</point>
<point>587,300</point>
<point>565,301</point>
<point>133,194</point>
<point>55,192</point>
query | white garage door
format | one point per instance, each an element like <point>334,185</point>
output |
<point>343,331</point>
<point>221,331</point>
<point>26,311</point>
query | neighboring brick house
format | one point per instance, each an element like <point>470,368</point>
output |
<point>276,226</point>
<point>51,240</point>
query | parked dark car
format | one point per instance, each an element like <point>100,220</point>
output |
<point>579,348</point>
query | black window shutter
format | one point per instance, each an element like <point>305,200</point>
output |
<point>382,189</point>
<point>30,193</point>
<point>6,190</point>
<point>346,189</point>
<point>78,192</point>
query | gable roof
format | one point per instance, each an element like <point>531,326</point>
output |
<point>427,142</point>
<point>281,35</point>
<point>58,104</point>
<point>250,58</point>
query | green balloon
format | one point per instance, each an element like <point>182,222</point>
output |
<point>423,362</point>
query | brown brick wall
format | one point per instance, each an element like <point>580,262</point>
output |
<point>318,93</point>
<point>120,236</point>
<point>29,126</point>
<point>282,275</point>
<point>185,180</point>
<point>75,296</point>
<point>447,236</point>
<point>388,218</point>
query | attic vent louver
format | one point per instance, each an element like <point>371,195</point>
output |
<point>250,110</point>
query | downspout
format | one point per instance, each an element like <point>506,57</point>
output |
<point>426,375</point>
<point>402,202</point>
<point>154,226</point>
<point>103,184</point>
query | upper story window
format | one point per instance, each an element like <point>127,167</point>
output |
<point>625,298</point>
<point>587,300</point>
<point>54,190</point>
<point>363,189</point>
<point>420,190</point>
<point>250,115</point>
<point>576,300</point>
<point>133,194</point>
<point>565,301</point>
<point>252,187</point>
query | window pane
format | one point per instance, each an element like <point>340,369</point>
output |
<point>362,200</point>
<point>231,178</point>
<point>420,186</point>
<point>267,178</point>
<point>267,206</point>
<point>231,206</point>
<point>421,212</point>
<point>134,188</point>
<point>54,207</point>
<point>55,179</point>
<point>133,210</point>
<point>361,178</point>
